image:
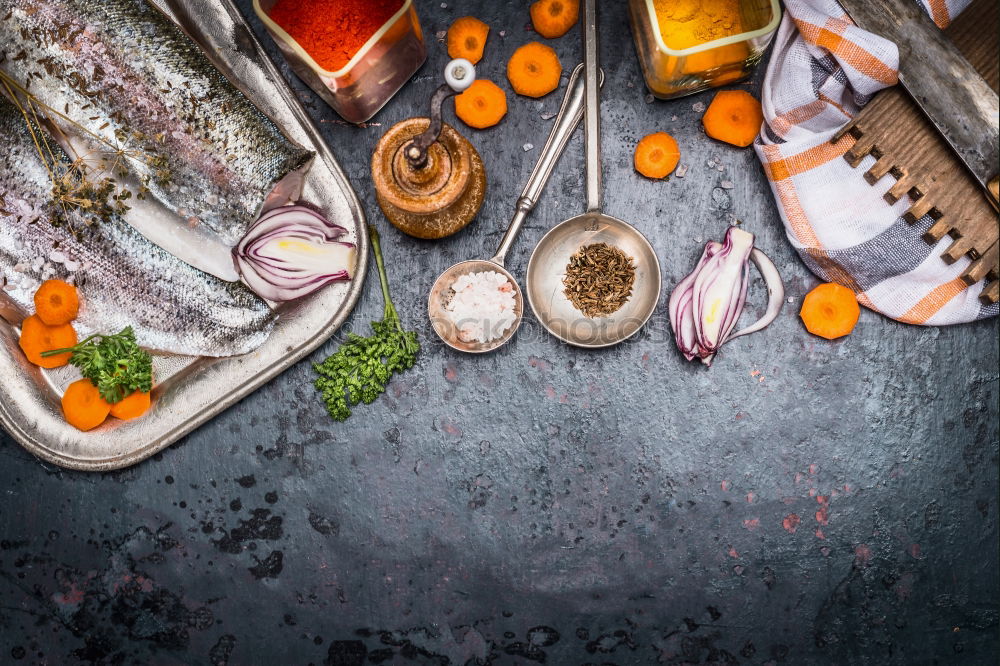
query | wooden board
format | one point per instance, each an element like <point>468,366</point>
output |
<point>907,147</point>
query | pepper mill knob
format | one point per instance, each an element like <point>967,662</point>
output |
<point>459,74</point>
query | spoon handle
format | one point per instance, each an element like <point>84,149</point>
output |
<point>592,125</point>
<point>569,117</point>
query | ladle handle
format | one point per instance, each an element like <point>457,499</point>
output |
<point>562,129</point>
<point>592,124</point>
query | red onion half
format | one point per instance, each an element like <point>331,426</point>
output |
<point>291,252</point>
<point>705,306</point>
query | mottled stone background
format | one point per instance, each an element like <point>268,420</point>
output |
<point>801,502</point>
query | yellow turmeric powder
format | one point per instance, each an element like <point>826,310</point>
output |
<point>687,23</point>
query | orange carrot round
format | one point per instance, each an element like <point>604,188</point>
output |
<point>467,39</point>
<point>131,406</point>
<point>56,302</point>
<point>554,18</point>
<point>483,104</point>
<point>830,311</point>
<point>534,70</point>
<point>734,116</point>
<point>83,406</point>
<point>38,337</point>
<point>656,155</point>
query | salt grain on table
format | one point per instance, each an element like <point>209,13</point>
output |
<point>528,146</point>
<point>649,99</point>
<point>681,171</point>
<point>441,35</point>
<point>548,116</point>
<point>726,184</point>
<point>698,107</point>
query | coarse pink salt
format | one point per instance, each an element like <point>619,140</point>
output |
<point>482,307</point>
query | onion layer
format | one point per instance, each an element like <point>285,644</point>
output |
<point>291,252</point>
<point>705,306</point>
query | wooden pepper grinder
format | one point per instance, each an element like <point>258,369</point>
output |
<point>429,180</point>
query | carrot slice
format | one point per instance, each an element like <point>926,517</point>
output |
<point>830,311</point>
<point>131,406</point>
<point>657,155</point>
<point>83,406</point>
<point>38,337</point>
<point>56,302</point>
<point>554,18</point>
<point>483,104</point>
<point>734,116</point>
<point>467,39</point>
<point>534,70</point>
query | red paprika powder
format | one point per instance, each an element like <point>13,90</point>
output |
<point>332,31</point>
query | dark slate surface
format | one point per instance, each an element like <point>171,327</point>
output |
<point>801,502</point>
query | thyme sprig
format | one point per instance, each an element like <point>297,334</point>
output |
<point>88,184</point>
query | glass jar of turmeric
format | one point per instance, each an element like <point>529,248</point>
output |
<point>686,46</point>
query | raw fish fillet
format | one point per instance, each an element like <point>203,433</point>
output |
<point>122,278</point>
<point>126,73</point>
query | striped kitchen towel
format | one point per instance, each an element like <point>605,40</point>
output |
<point>822,71</point>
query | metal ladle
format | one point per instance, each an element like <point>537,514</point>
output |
<point>546,267</point>
<point>566,121</point>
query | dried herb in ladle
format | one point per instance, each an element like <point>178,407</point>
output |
<point>599,279</point>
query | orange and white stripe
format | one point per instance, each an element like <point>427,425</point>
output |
<point>839,223</point>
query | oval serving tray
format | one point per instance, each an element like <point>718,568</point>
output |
<point>192,391</point>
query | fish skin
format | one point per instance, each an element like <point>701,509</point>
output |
<point>124,280</point>
<point>121,68</point>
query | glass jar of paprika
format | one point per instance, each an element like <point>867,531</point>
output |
<point>355,54</point>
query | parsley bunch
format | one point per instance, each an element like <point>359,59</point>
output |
<point>360,370</point>
<point>115,364</point>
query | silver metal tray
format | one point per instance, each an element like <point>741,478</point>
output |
<point>191,391</point>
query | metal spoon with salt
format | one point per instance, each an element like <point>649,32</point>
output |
<point>566,121</point>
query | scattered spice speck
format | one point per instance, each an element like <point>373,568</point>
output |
<point>791,523</point>
<point>441,35</point>
<point>649,99</point>
<point>503,33</point>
